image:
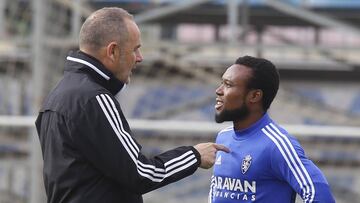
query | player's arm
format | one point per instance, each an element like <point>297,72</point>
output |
<point>290,164</point>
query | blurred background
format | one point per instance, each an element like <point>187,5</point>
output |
<point>187,45</point>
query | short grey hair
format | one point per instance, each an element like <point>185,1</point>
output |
<point>104,26</point>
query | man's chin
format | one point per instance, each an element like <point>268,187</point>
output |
<point>219,118</point>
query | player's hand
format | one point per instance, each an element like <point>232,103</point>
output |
<point>207,152</point>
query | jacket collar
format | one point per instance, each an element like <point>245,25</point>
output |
<point>90,65</point>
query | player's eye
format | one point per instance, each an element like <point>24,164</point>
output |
<point>228,85</point>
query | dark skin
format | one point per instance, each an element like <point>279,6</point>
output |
<point>233,94</point>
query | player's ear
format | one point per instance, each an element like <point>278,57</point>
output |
<point>255,95</point>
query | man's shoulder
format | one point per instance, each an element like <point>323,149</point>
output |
<point>72,93</point>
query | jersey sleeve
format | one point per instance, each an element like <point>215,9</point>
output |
<point>103,137</point>
<point>289,163</point>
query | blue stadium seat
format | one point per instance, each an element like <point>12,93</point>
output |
<point>338,156</point>
<point>9,149</point>
<point>160,97</point>
<point>311,94</point>
<point>355,106</point>
<point>311,121</point>
<point>310,3</point>
<point>123,1</point>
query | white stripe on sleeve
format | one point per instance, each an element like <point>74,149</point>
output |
<point>286,159</point>
<point>122,127</point>
<point>308,196</point>
<point>114,128</point>
<point>298,161</point>
<point>114,119</point>
<point>149,171</point>
<point>291,156</point>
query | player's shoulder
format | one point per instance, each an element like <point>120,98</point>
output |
<point>223,134</point>
<point>279,136</point>
<point>226,130</point>
<point>274,129</point>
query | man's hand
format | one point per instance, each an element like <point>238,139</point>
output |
<point>207,152</point>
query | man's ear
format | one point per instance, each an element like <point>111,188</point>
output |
<point>255,95</point>
<point>112,51</point>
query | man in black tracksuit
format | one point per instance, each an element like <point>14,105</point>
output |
<point>88,149</point>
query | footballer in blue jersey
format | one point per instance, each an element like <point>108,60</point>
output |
<point>265,163</point>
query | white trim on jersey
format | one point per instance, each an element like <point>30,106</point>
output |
<point>146,170</point>
<point>89,65</point>
<point>298,161</point>
<point>212,185</point>
<point>278,138</point>
<point>286,159</point>
<point>226,129</point>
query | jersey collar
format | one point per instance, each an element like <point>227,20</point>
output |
<point>247,132</point>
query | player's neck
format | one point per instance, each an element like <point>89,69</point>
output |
<point>248,121</point>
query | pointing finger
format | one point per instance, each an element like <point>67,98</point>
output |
<point>221,148</point>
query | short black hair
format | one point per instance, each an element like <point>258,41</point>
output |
<point>265,77</point>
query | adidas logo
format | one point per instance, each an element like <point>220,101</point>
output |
<point>218,161</point>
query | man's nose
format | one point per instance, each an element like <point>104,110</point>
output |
<point>139,57</point>
<point>219,91</point>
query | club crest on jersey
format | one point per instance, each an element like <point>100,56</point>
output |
<point>246,162</point>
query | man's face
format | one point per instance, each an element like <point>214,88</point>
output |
<point>231,94</point>
<point>129,53</point>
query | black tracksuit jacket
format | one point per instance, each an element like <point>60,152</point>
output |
<point>89,153</point>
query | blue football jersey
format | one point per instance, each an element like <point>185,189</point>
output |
<point>265,165</point>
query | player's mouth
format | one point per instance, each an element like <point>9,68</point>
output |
<point>219,104</point>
